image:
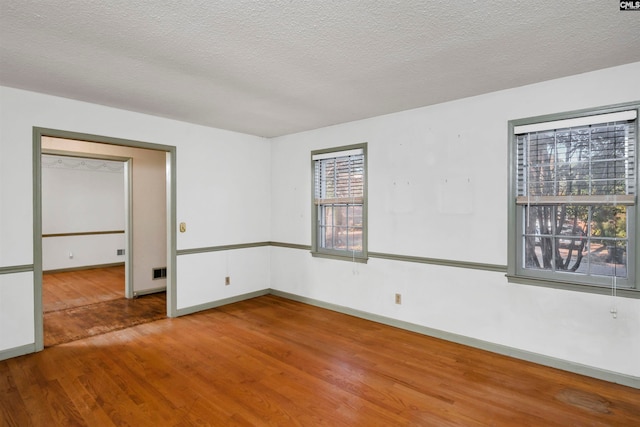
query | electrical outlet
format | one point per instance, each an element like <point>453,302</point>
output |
<point>227,280</point>
<point>398,298</point>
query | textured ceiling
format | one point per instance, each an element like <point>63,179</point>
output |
<point>282,66</point>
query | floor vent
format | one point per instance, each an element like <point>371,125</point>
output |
<point>159,273</point>
<point>119,251</point>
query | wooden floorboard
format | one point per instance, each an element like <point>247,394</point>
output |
<point>70,289</point>
<point>275,362</point>
<point>83,303</point>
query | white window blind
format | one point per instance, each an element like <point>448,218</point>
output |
<point>340,179</point>
<point>591,163</point>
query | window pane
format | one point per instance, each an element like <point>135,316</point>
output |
<point>340,238</point>
<point>340,216</point>
<point>538,253</point>
<point>539,220</point>
<point>609,221</point>
<point>327,215</point>
<point>590,240</point>
<point>569,254</point>
<point>355,239</point>
<point>327,237</point>
<point>355,215</point>
<point>340,227</point>
<point>608,247</point>
<point>608,259</point>
<point>325,228</point>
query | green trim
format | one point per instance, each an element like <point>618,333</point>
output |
<point>128,229</point>
<point>512,236</point>
<point>517,274</point>
<point>82,155</point>
<point>38,310</point>
<point>87,137</point>
<point>12,269</point>
<point>17,351</point>
<point>290,245</point>
<point>172,239</point>
<point>361,257</point>
<point>339,257</point>
<point>149,291</point>
<point>83,233</point>
<point>393,257</point>
<point>362,145</point>
<point>442,262</point>
<point>540,359</point>
<point>222,248</point>
<point>219,303</point>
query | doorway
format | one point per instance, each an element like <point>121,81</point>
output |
<point>51,140</point>
<point>86,210</point>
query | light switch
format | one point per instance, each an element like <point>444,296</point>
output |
<point>183,227</point>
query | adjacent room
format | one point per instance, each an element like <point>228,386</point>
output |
<point>89,285</point>
<point>348,213</point>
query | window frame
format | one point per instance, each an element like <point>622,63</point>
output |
<point>516,273</point>
<point>338,254</point>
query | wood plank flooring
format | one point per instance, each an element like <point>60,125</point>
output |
<point>83,303</point>
<point>70,289</point>
<point>269,361</point>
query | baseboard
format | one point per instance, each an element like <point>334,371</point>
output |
<point>17,351</point>
<point>137,294</point>
<point>540,359</point>
<point>219,303</point>
<point>85,267</point>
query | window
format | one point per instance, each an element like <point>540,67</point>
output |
<point>340,203</point>
<point>573,197</point>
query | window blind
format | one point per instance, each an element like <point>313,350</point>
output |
<point>340,179</point>
<point>586,164</point>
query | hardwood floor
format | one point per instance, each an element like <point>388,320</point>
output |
<point>78,288</point>
<point>271,361</point>
<point>82,303</point>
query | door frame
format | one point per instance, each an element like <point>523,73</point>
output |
<point>170,154</point>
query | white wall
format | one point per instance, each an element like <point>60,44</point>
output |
<point>248,270</point>
<point>16,310</point>
<point>217,195</point>
<point>438,189</point>
<point>81,196</point>
<point>81,199</point>
<point>75,252</point>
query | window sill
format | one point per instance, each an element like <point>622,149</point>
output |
<point>558,284</point>
<point>361,259</point>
